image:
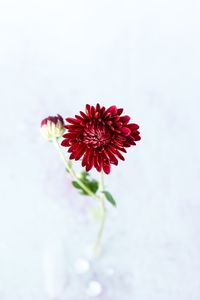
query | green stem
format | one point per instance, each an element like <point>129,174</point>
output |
<point>100,198</point>
<point>97,246</point>
<point>71,171</point>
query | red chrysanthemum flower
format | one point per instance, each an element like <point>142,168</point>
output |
<point>98,136</point>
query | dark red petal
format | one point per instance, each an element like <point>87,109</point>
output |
<point>65,143</point>
<point>92,111</point>
<point>80,152</point>
<point>115,118</point>
<point>125,119</point>
<point>102,110</point>
<point>99,157</point>
<point>60,118</point>
<point>134,133</point>
<point>96,115</point>
<point>106,167</point>
<point>96,162</point>
<point>90,162</point>
<point>44,122</point>
<point>119,148</point>
<point>106,114</point>
<point>112,109</point>
<point>87,110</point>
<point>98,107</point>
<point>105,155</point>
<point>119,155</point>
<point>73,121</point>
<point>84,115</point>
<point>91,156</point>
<point>119,111</point>
<point>85,158</point>
<point>126,144</point>
<point>76,130</point>
<point>112,157</point>
<point>131,140</point>
<point>125,131</point>
<point>70,126</point>
<point>137,138</point>
<point>115,151</point>
<point>53,119</point>
<point>73,147</point>
<point>132,126</point>
<point>72,156</point>
<point>119,139</point>
<point>71,135</point>
<point>73,129</point>
<point>118,124</point>
<point>88,167</point>
<point>80,118</point>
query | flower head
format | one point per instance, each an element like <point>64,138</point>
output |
<point>52,127</point>
<point>98,136</point>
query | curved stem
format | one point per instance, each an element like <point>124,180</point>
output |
<point>71,171</point>
<point>100,198</point>
<point>97,246</point>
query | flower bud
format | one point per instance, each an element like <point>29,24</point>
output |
<point>52,127</point>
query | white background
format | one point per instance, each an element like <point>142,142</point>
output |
<point>56,56</point>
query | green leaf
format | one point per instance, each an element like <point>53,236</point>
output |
<point>94,185</point>
<point>90,183</point>
<point>76,185</point>
<point>83,175</point>
<point>109,197</point>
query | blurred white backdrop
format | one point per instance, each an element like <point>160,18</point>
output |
<point>55,56</point>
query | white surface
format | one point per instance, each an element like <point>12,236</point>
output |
<point>81,266</point>
<point>94,289</point>
<point>143,55</point>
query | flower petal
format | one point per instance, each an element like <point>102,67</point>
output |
<point>125,131</point>
<point>85,158</point>
<point>65,143</point>
<point>84,115</point>
<point>71,135</point>
<point>113,159</point>
<point>80,152</point>
<point>98,107</point>
<point>96,162</point>
<point>125,119</point>
<point>106,167</point>
<point>72,121</point>
<point>73,147</point>
<point>115,151</point>
<point>87,110</point>
<point>137,138</point>
<point>132,126</point>
<point>119,111</point>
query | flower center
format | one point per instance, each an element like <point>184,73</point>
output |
<point>97,134</point>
